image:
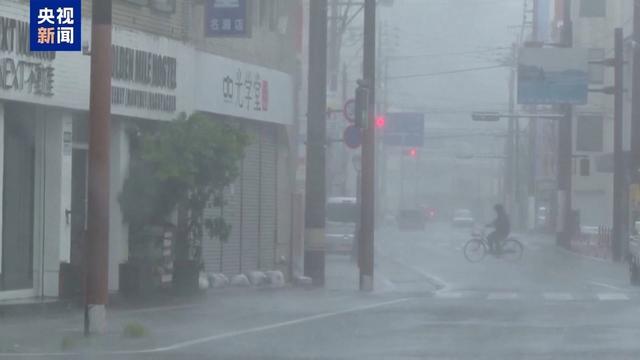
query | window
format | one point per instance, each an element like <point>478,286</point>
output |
<point>596,71</point>
<point>593,8</point>
<point>589,133</point>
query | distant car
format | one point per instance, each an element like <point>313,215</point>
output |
<point>463,218</point>
<point>341,216</point>
<point>411,220</point>
<point>429,213</point>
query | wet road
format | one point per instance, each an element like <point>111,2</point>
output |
<point>429,303</point>
<point>550,305</point>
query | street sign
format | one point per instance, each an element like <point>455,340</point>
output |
<point>553,76</point>
<point>404,129</point>
<point>349,110</point>
<point>226,18</point>
<point>352,137</point>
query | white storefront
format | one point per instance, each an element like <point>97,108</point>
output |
<point>44,100</point>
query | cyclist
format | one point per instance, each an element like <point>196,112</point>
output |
<point>502,228</point>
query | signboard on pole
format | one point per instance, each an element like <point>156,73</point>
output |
<point>404,129</point>
<point>553,76</point>
<point>349,110</point>
<point>226,18</point>
<point>352,137</point>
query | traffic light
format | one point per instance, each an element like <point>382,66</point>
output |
<point>413,152</point>
<point>380,122</point>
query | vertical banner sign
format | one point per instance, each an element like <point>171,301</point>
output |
<point>226,18</point>
<point>55,25</point>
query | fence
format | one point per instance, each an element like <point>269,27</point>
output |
<point>593,241</point>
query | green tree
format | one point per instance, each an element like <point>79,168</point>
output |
<point>183,166</point>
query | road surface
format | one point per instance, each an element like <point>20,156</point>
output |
<point>429,303</point>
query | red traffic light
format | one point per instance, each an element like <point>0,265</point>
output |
<point>413,152</point>
<point>380,122</point>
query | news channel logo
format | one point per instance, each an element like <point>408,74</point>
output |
<point>55,25</point>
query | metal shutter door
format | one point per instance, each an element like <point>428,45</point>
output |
<point>268,193</point>
<point>250,202</point>
<point>211,247</point>
<point>230,253</point>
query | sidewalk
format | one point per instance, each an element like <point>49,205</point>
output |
<point>219,313</point>
<point>602,272</point>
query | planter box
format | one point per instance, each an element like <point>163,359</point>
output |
<point>136,278</point>
<point>186,275</point>
<point>71,285</point>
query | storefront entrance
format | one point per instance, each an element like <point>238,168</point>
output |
<point>18,199</point>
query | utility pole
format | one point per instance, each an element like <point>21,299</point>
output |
<point>565,148</point>
<point>315,194</point>
<point>367,205</point>
<point>334,47</point>
<point>97,241</point>
<point>635,102</point>
<point>509,149</point>
<point>620,228</point>
<point>533,135</point>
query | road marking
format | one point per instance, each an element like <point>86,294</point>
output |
<point>612,287</point>
<point>216,337</point>
<point>502,296</point>
<point>558,296</point>
<point>449,295</point>
<point>612,296</point>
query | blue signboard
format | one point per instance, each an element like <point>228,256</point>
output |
<point>352,137</point>
<point>226,18</point>
<point>553,76</point>
<point>404,129</point>
<point>55,25</point>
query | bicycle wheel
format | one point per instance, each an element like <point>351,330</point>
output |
<point>512,250</point>
<point>475,250</point>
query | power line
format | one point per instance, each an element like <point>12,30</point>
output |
<point>447,72</point>
<point>441,54</point>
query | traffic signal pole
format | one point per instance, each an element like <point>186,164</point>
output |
<point>315,188</point>
<point>367,204</point>
<point>620,205</point>
<point>97,241</point>
<point>565,149</point>
<point>635,103</point>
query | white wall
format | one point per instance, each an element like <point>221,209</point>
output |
<point>118,231</point>
<point>56,230</point>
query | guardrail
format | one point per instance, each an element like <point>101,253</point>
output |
<point>593,241</point>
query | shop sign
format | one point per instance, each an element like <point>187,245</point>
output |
<point>225,18</point>
<point>243,90</point>
<point>246,90</point>
<point>137,67</point>
<point>21,70</point>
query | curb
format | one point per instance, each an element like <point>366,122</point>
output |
<point>37,307</point>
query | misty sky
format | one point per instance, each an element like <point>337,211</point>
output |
<point>453,34</point>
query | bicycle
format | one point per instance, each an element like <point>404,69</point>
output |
<point>477,248</point>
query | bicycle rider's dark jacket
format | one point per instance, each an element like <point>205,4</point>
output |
<point>502,225</point>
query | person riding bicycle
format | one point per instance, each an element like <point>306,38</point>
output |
<point>502,227</point>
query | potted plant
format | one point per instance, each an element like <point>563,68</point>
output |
<point>182,167</point>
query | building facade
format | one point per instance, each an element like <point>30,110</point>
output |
<point>44,100</point>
